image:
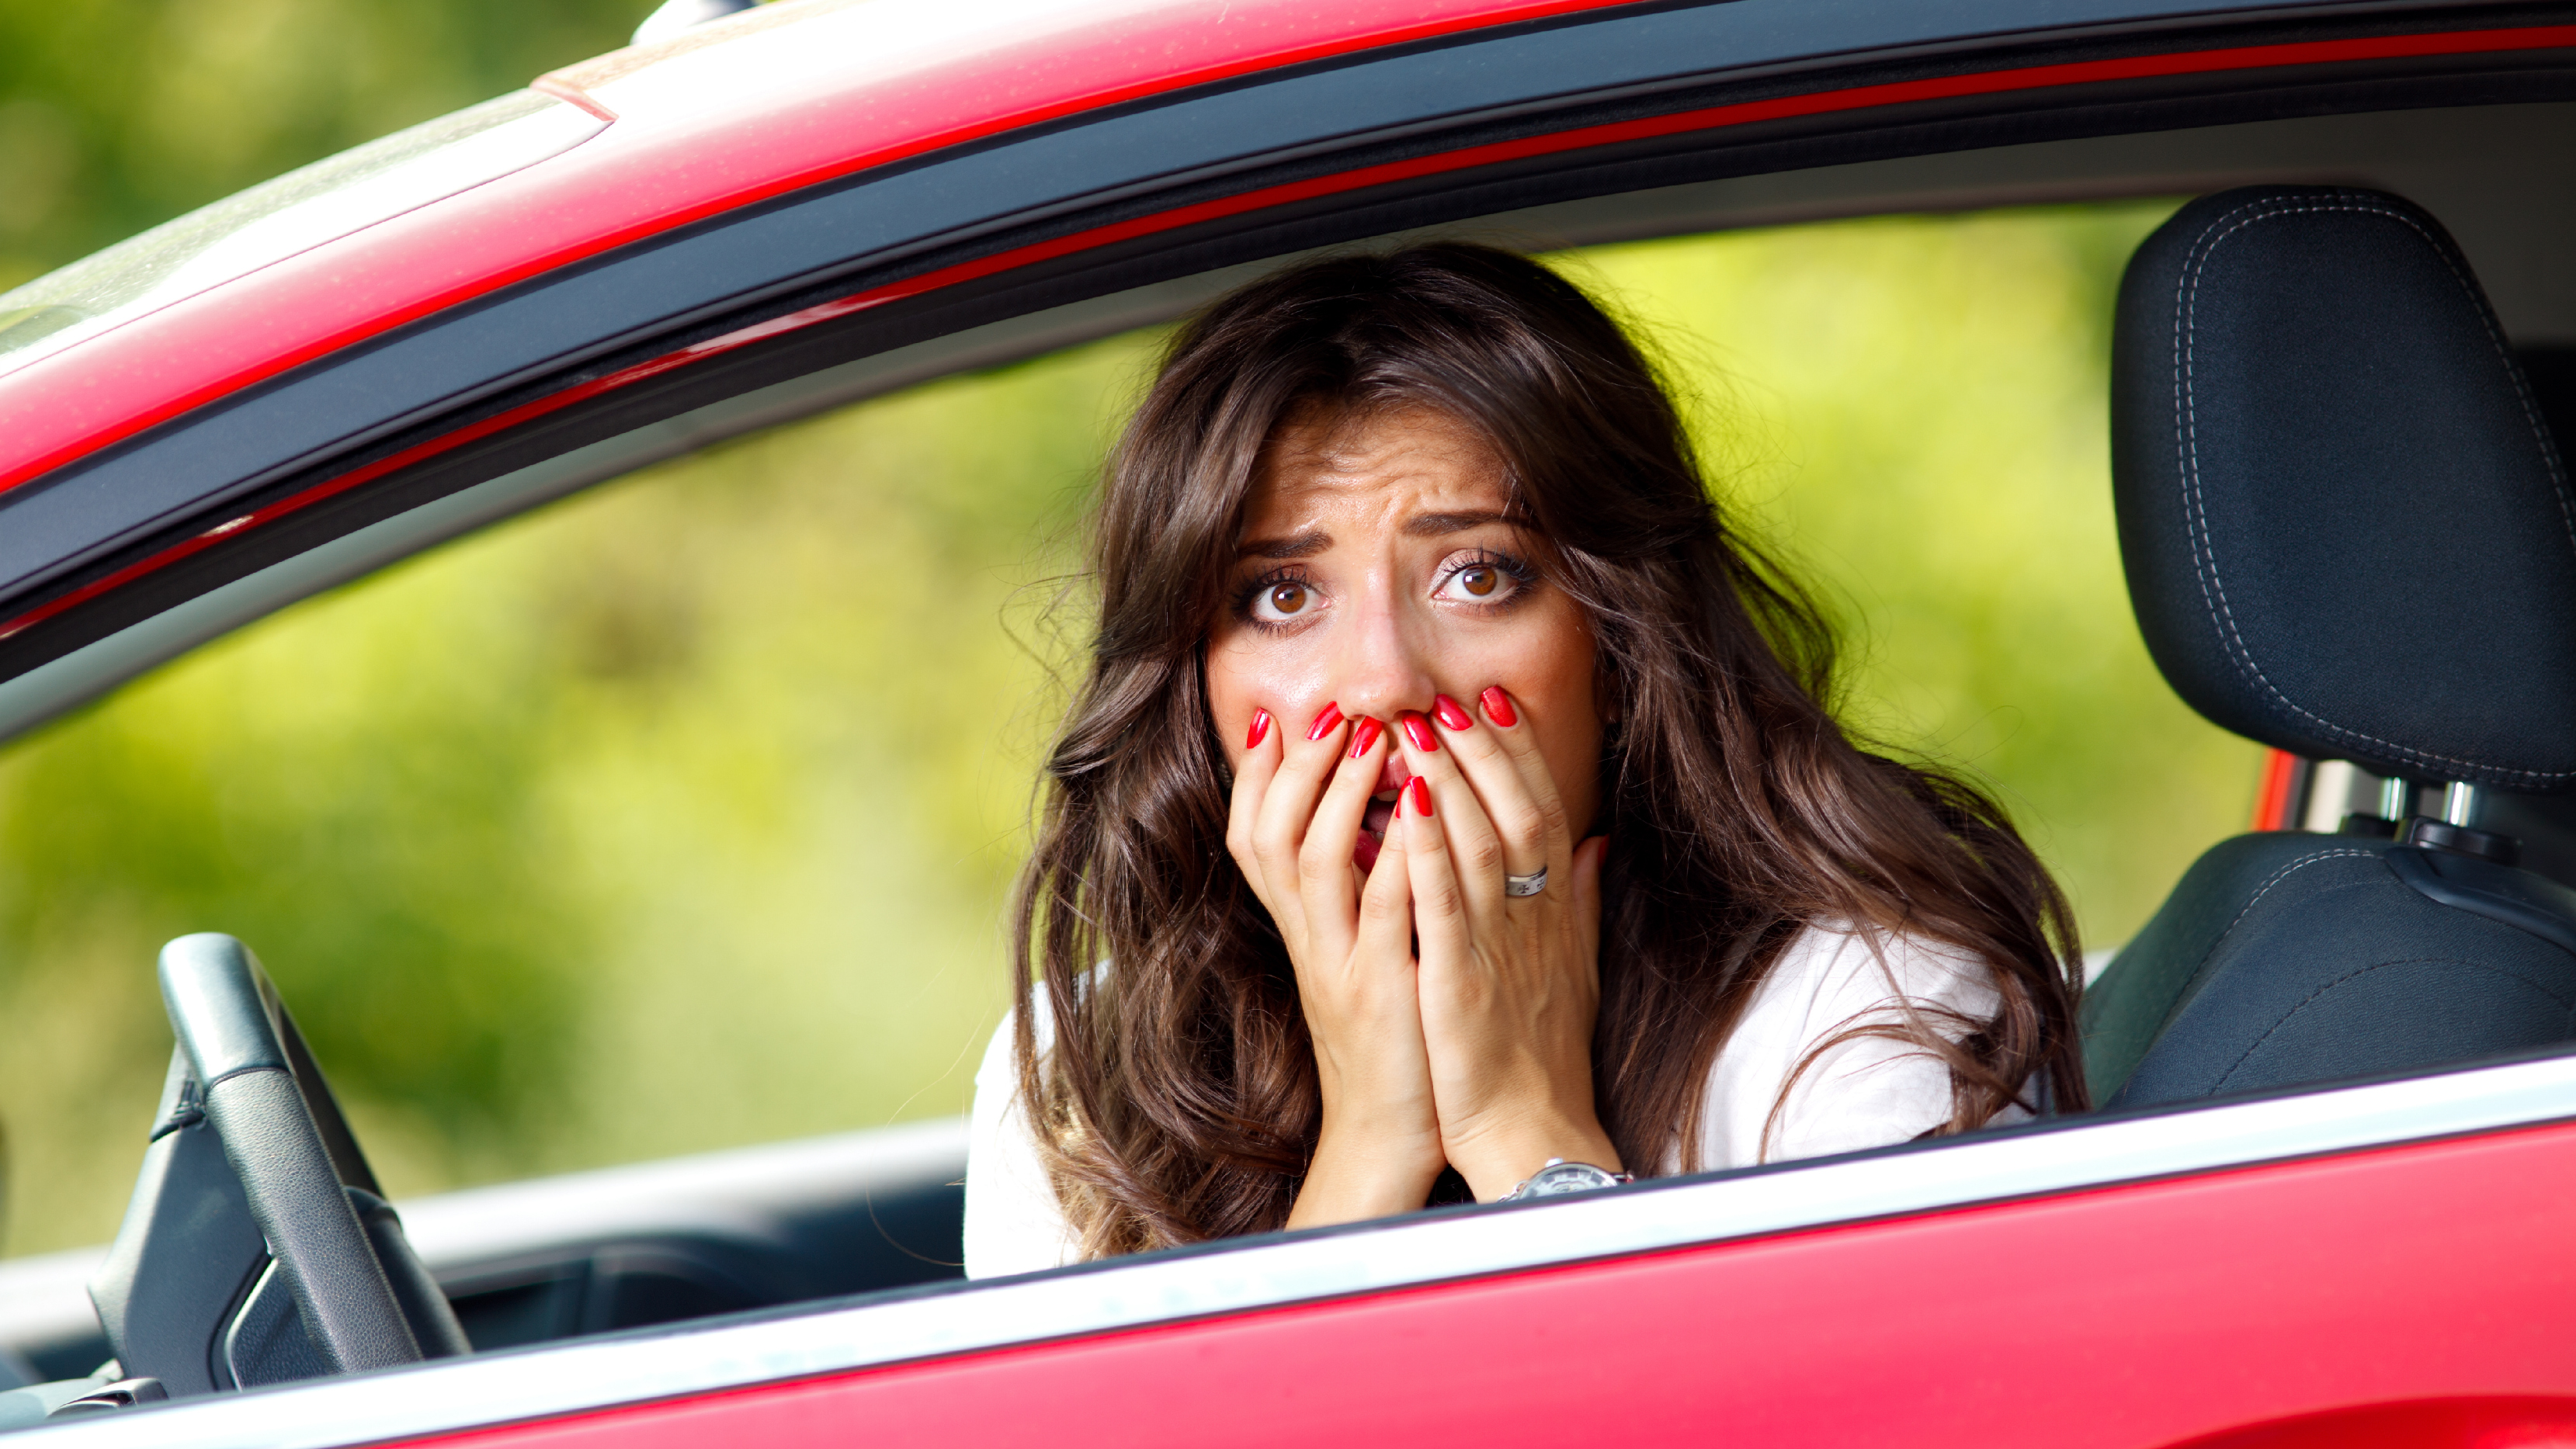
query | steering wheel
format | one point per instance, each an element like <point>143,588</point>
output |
<point>253,1198</point>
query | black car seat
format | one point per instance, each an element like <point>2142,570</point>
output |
<point>2347,535</point>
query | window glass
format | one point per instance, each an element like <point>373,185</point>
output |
<point>683,813</point>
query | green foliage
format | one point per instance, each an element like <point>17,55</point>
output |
<point>343,775</point>
<point>116,115</point>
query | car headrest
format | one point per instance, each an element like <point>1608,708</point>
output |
<point>2346,530</point>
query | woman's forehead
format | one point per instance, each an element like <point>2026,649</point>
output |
<point>1382,468</point>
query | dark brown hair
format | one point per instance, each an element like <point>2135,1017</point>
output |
<point>1179,1101</point>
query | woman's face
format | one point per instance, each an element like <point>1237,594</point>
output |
<point>1375,571</point>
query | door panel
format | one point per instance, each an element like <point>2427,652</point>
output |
<point>2148,1314</point>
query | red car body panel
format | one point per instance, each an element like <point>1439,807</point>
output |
<point>2112,1317</point>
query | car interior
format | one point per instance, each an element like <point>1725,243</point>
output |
<point>2312,406</point>
<point>2343,378</point>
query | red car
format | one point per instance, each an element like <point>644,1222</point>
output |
<point>2327,1200</point>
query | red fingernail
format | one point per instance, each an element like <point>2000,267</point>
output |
<point>1325,723</point>
<point>1418,790</point>
<point>1451,716</point>
<point>1260,729</point>
<point>1365,736</point>
<point>1418,730</point>
<point>1498,707</point>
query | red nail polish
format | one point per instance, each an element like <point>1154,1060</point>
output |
<point>1260,729</point>
<point>1418,730</point>
<point>1418,790</point>
<point>1325,723</point>
<point>1498,707</point>
<point>1364,738</point>
<point>1451,716</point>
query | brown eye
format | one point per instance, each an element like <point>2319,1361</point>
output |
<point>1478,582</point>
<point>1279,602</point>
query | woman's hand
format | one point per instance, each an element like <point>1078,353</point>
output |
<point>1509,986</point>
<point>1294,825</point>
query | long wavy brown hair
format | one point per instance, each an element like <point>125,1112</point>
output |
<point>1178,1101</point>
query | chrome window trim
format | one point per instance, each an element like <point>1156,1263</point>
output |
<point>1271,1272</point>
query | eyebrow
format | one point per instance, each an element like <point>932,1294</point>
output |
<point>1315,541</point>
<point>1305,545</point>
<point>1434,525</point>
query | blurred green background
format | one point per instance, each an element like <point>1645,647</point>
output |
<point>681,814</point>
<point>116,115</point>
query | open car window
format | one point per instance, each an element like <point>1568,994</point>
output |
<point>681,814</point>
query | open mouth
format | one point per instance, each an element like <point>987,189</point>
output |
<point>1379,815</point>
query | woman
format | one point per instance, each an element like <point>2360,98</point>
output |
<point>1452,793</point>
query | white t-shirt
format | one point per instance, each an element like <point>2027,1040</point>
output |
<point>1867,1092</point>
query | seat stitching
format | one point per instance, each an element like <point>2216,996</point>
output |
<point>2250,901</point>
<point>2187,449</point>
<point>2239,1065</point>
<point>2204,549</point>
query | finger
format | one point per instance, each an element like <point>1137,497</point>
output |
<point>1439,906</point>
<point>1279,823</point>
<point>1386,906</point>
<point>1475,848</point>
<point>1280,820</point>
<point>1252,777</point>
<point>1510,727</point>
<point>1324,875</point>
<point>1519,812</point>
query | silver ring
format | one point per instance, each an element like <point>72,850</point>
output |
<point>1526,885</point>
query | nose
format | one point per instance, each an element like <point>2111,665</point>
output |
<point>1386,665</point>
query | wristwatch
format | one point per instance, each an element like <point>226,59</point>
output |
<point>1560,1176</point>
